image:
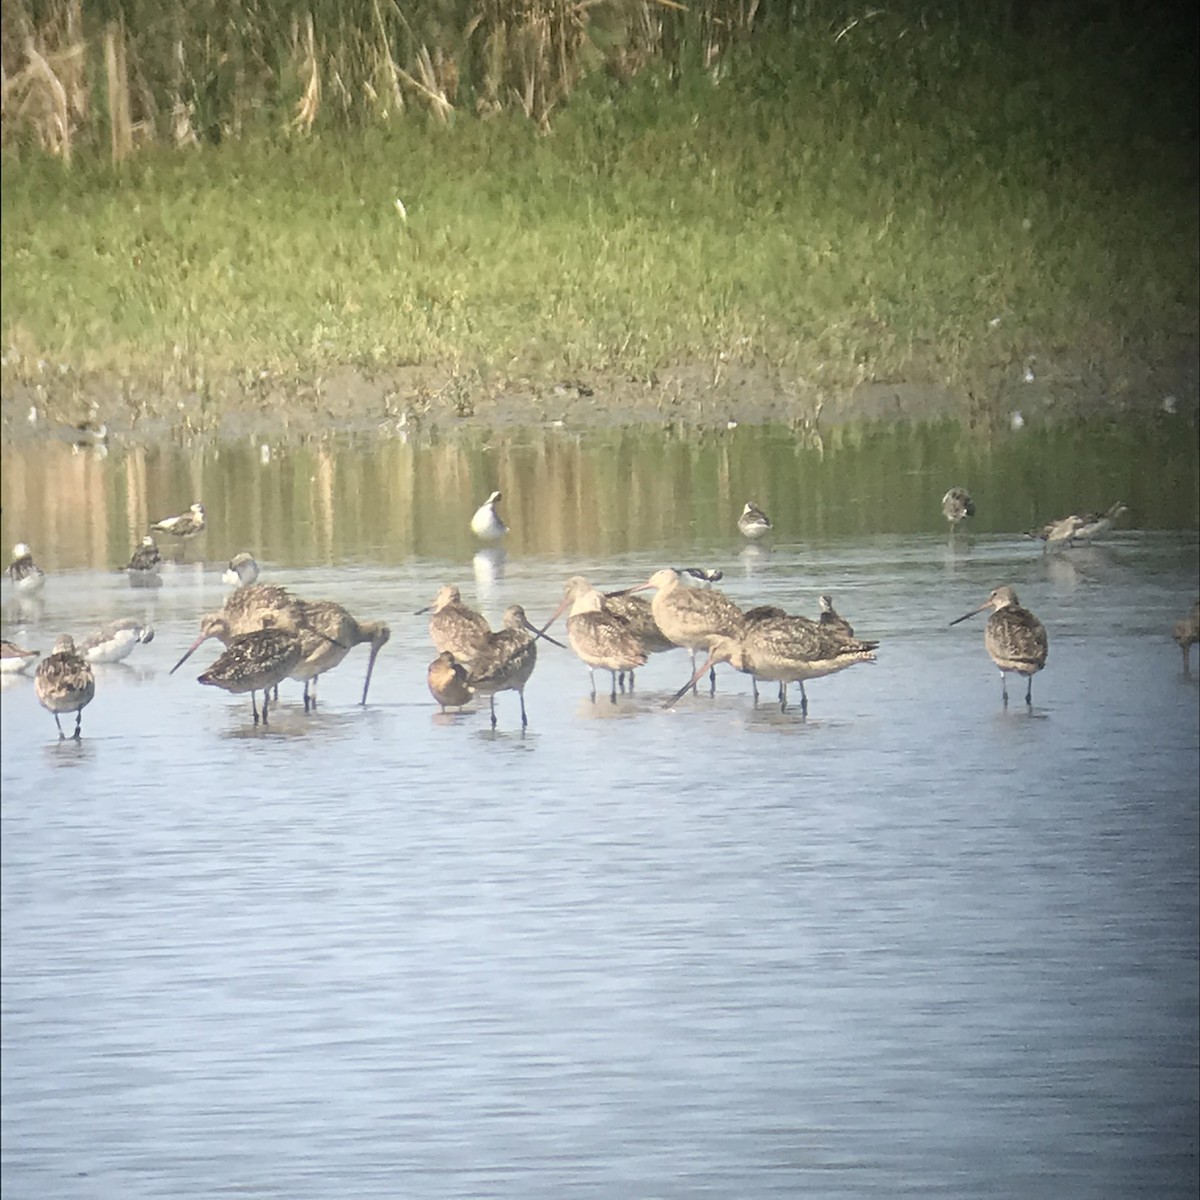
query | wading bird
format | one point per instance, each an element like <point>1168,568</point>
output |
<point>597,634</point>
<point>1014,637</point>
<point>505,660</point>
<point>786,649</point>
<point>27,577</point>
<point>254,662</point>
<point>114,642</point>
<point>447,679</point>
<point>1095,524</point>
<point>454,626</point>
<point>1187,634</point>
<point>145,561</point>
<point>14,660</point>
<point>957,506</point>
<point>753,523</point>
<point>242,570</point>
<point>691,617</point>
<point>185,526</point>
<point>486,522</point>
<point>64,683</point>
<point>1057,533</point>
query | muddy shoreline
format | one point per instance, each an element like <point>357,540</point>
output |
<point>405,401</point>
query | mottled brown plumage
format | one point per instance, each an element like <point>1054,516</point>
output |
<point>254,662</point>
<point>454,626</point>
<point>785,649</point>
<point>447,679</point>
<point>505,661</point>
<point>64,683</point>
<point>1014,637</point>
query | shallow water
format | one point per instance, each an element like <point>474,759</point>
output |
<point>913,945</point>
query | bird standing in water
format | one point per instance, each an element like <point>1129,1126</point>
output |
<point>486,522</point>
<point>1014,637</point>
<point>753,523</point>
<point>957,506</point>
<point>27,577</point>
<point>1187,635</point>
<point>64,683</point>
<point>447,679</point>
<point>185,526</point>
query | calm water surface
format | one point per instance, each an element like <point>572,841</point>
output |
<point>913,945</point>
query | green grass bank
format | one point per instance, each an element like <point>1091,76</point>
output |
<point>819,217</point>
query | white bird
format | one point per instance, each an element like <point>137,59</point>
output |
<point>486,522</point>
<point>115,641</point>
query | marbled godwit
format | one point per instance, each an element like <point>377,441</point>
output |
<point>1014,637</point>
<point>637,613</point>
<point>64,683</point>
<point>597,635</point>
<point>1057,533</point>
<point>1095,524</point>
<point>957,506</point>
<point>447,679</point>
<point>455,627</point>
<point>505,661</point>
<point>242,570</point>
<point>247,610</point>
<point>327,634</point>
<point>1186,634</point>
<point>14,660</point>
<point>831,619</point>
<point>186,526</point>
<point>785,649</point>
<point>145,561</point>
<point>27,577</point>
<point>691,617</point>
<point>255,662</point>
<point>753,523</point>
<point>486,522</point>
<point>115,641</point>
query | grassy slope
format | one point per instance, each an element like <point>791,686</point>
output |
<point>881,208</point>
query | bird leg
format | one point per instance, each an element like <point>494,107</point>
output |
<point>1029,691</point>
<point>782,697</point>
<point>754,688</point>
<point>803,699</point>
<point>613,695</point>
<point>78,723</point>
<point>492,699</point>
<point>524,720</point>
<point>61,735</point>
<point>1004,688</point>
<point>592,681</point>
<point>254,706</point>
<point>264,706</point>
<point>712,681</point>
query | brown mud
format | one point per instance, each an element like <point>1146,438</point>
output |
<point>57,403</point>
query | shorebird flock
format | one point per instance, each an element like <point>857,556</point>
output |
<point>270,635</point>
